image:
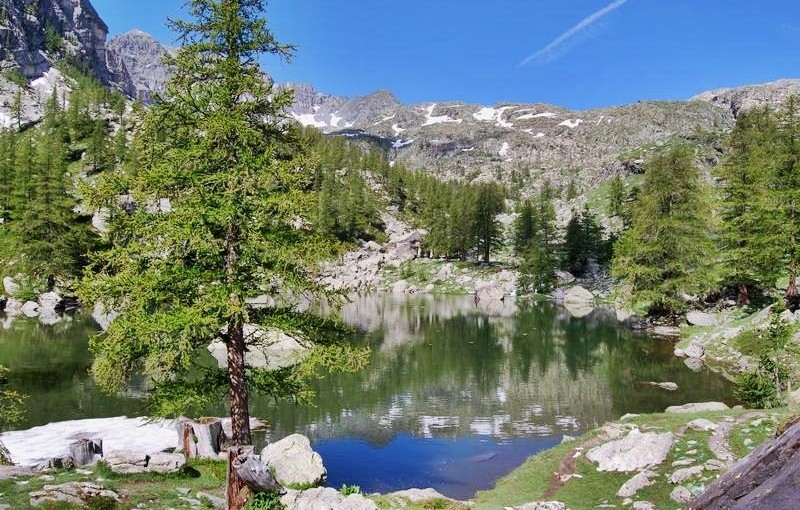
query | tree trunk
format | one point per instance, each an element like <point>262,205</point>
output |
<point>237,377</point>
<point>237,492</point>
<point>744,296</point>
<point>791,289</point>
<point>240,411</point>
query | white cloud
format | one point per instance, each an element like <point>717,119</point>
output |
<point>547,52</point>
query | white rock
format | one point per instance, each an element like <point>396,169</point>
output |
<point>702,424</point>
<point>564,277</point>
<point>577,295</point>
<point>30,309</point>
<point>541,505</point>
<point>788,317</point>
<point>641,480</point>
<point>669,386</point>
<point>490,292</point>
<point>294,462</point>
<point>697,407</point>
<point>694,350</point>
<point>13,307</point>
<point>10,286</point>
<point>418,495</point>
<point>77,494</point>
<point>666,331</point>
<point>325,498</point>
<point>103,316</point>
<point>694,364</point>
<point>402,287</point>
<point>49,301</point>
<point>643,505</point>
<point>635,451</point>
<point>696,318</point>
<point>681,495</point>
<point>681,475</point>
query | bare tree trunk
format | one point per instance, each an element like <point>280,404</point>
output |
<point>744,295</point>
<point>791,289</point>
<point>240,412</point>
<point>237,396</point>
<point>237,492</point>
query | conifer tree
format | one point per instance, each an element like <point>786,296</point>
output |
<point>616,197</point>
<point>487,231</point>
<point>669,249</point>
<point>218,145</point>
<point>524,227</point>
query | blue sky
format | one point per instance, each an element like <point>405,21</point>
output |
<point>575,53</point>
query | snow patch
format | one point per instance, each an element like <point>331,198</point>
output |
<point>440,119</point>
<point>390,117</point>
<point>571,123</point>
<point>309,119</point>
<point>469,149</point>
<point>397,129</point>
<point>535,135</point>
<point>36,445</point>
<point>503,152</point>
<point>494,115</point>
<point>399,144</point>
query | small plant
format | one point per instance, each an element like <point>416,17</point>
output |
<point>436,504</point>
<point>265,501</point>
<point>102,503</point>
<point>346,490</point>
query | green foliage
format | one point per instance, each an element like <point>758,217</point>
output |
<point>265,501</point>
<point>584,243</point>
<point>16,77</point>
<point>669,249</point>
<point>218,146</point>
<point>536,239</point>
<point>764,387</point>
<point>11,402</point>
<point>616,197</point>
<point>102,503</point>
<point>346,490</point>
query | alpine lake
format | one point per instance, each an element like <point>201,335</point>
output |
<point>456,395</point>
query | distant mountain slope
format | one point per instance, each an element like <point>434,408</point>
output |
<point>141,56</point>
<point>749,96</point>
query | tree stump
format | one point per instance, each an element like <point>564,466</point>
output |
<point>256,474</point>
<point>201,439</point>
<point>237,492</point>
<point>83,452</point>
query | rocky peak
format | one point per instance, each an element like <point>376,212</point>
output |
<point>141,56</point>
<point>743,98</point>
<point>36,32</point>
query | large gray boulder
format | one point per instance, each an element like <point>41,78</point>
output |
<point>579,296</point>
<point>325,498</point>
<point>633,452</point>
<point>696,318</point>
<point>10,286</point>
<point>641,480</point>
<point>294,463</point>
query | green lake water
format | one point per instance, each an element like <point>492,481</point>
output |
<point>455,396</point>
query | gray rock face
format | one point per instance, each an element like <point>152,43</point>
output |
<point>325,499</point>
<point>633,452</point>
<point>750,96</point>
<point>74,493</point>
<point>294,462</point>
<point>696,318</point>
<point>767,479</point>
<point>266,348</point>
<point>140,56</point>
<point>418,495</point>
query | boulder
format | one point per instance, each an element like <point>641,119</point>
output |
<point>564,277</point>
<point>579,296</point>
<point>418,495</point>
<point>30,309</point>
<point>696,318</point>
<point>403,287</point>
<point>267,348</point>
<point>10,286</point>
<point>641,480</point>
<point>294,462</point>
<point>701,424</point>
<point>633,452</point>
<point>643,505</point>
<point>13,307</point>
<point>103,316</point>
<point>684,474</point>
<point>767,479</point>
<point>694,350</point>
<point>129,463</point>
<point>681,495</point>
<point>669,386</point>
<point>788,317</point>
<point>694,364</point>
<point>325,498</point>
<point>490,291</point>
<point>541,505</point>
<point>668,331</point>
<point>697,407</point>
<point>79,494</point>
<point>50,301</point>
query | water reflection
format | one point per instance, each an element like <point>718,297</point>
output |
<point>457,393</point>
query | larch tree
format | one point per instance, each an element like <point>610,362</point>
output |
<point>669,249</point>
<point>215,214</point>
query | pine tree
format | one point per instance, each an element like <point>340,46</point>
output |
<point>219,146</point>
<point>751,240</point>
<point>540,256</point>
<point>616,196</point>
<point>486,229</point>
<point>669,249</point>
<point>788,190</point>
<point>524,227</point>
